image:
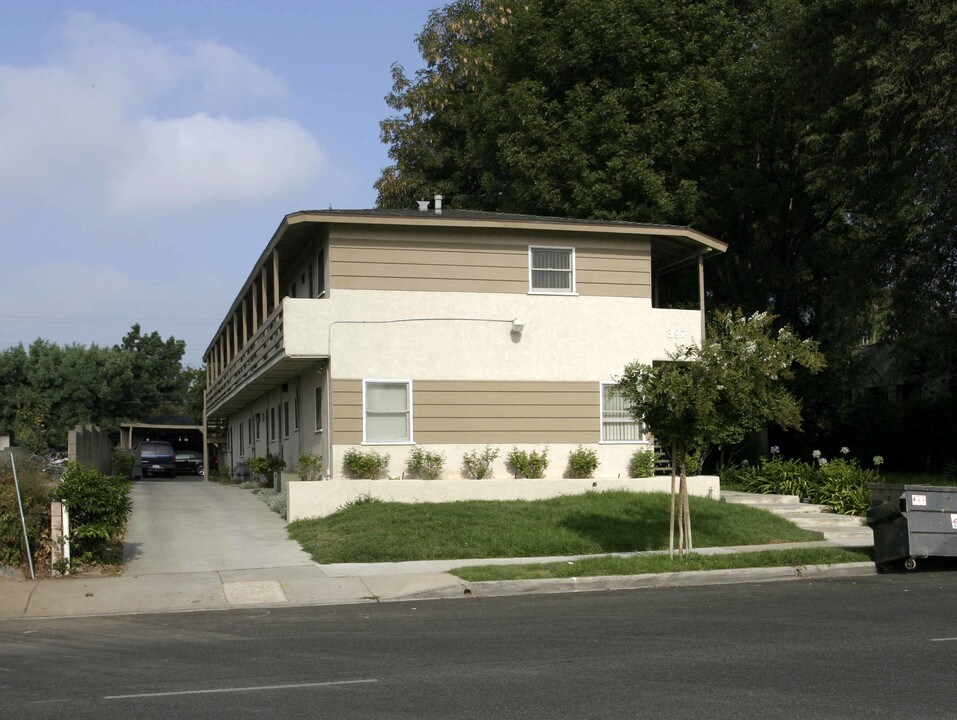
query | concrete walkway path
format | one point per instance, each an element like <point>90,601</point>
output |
<point>185,525</point>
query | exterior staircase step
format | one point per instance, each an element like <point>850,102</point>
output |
<point>841,529</point>
<point>743,498</point>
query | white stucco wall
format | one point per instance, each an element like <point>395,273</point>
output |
<point>565,337</point>
<point>318,499</point>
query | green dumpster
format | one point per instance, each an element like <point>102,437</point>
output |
<point>911,522</point>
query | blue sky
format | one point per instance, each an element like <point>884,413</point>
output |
<point>151,148</point>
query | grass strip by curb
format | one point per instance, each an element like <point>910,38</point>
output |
<point>649,564</point>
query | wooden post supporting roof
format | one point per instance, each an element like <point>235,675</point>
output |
<point>701,294</point>
<point>275,278</point>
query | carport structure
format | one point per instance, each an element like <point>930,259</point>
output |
<point>180,435</point>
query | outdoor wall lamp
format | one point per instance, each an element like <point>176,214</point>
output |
<point>518,325</point>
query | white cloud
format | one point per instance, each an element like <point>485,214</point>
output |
<point>200,160</point>
<point>139,125</point>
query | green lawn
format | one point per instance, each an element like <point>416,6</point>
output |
<point>592,567</point>
<point>570,525</point>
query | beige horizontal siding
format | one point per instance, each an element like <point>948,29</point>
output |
<point>483,412</point>
<point>346,412</point>
<point>417,262</point>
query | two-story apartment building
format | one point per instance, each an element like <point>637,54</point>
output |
<point>450,330</point>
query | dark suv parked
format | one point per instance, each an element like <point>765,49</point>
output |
<point>157,458</point>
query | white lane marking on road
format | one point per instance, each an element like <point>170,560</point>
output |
<point>953,639</point>
<point>240,689</point>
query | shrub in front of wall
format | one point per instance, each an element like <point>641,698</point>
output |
<point>427,465</point>
<point>367,465</point>
<point>309,467</point>
<point>99,507</point>
<point>529,465</point>
<point>35,494</point>
<point>642,464</point>
<point>582,463</point>
<point>123,463</point>
<point>265,467</point>
<point>479,465</point>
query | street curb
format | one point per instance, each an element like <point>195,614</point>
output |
<point>690,578</point>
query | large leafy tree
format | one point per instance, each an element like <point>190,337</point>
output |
<point>815,136</point>
<point>718,392</point>
<point>569,107</point>
<point>49,389</point>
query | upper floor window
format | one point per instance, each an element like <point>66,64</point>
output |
<point>551,270</point>
<point>617,423</point>
<point>388,411</point>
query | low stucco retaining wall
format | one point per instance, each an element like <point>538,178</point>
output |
<point>324,497</point>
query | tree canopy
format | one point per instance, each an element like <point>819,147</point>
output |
<point>816,137</point>
<point>48,389</point>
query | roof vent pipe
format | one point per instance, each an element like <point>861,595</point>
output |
<point>438,204</point>
<point>423,205</point>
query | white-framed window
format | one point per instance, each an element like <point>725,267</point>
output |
<point>295,414</point>
<point>551,270</point>
<point>242,449</point>
<point>285,417</point>
<point>387,411</point>
<point>249,432</point>
<point>318,408</point>
<point>272,423</point>
<point>617,424</point>
<point>258,419</point>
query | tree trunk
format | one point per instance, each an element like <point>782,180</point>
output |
<point>671,519</point>
<point>687,506</point>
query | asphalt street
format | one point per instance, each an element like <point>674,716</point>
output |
<point>881,646</point>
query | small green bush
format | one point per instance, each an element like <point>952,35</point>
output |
<point>478,466</point>
<point>123,462</point>
<point>368,465</point>
<point>427,465</point>
<point>642,464</point>
<point>309,467</point>
<point>582,463</point>
<point>529,465</point>
<point>265,467</point>
<point>99,507</point>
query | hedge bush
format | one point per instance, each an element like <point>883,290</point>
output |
<point>366,465</point>
<point>35,492</point>
<point>642,464</point>
<point>427,465</point>
<point>582,462</point>
<point>479,465</point>
<point>99,507</point>
<point>529,465</point>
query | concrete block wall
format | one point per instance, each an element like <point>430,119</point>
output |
<point>92,447</point>
<point>324,497</point>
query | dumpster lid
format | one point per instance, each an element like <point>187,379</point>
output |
<point>912,488</point>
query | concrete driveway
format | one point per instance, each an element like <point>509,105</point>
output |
<point>184,525</point>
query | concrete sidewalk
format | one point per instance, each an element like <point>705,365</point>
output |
<point>348,583</point>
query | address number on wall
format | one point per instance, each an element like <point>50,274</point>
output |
<point>675,333</point>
